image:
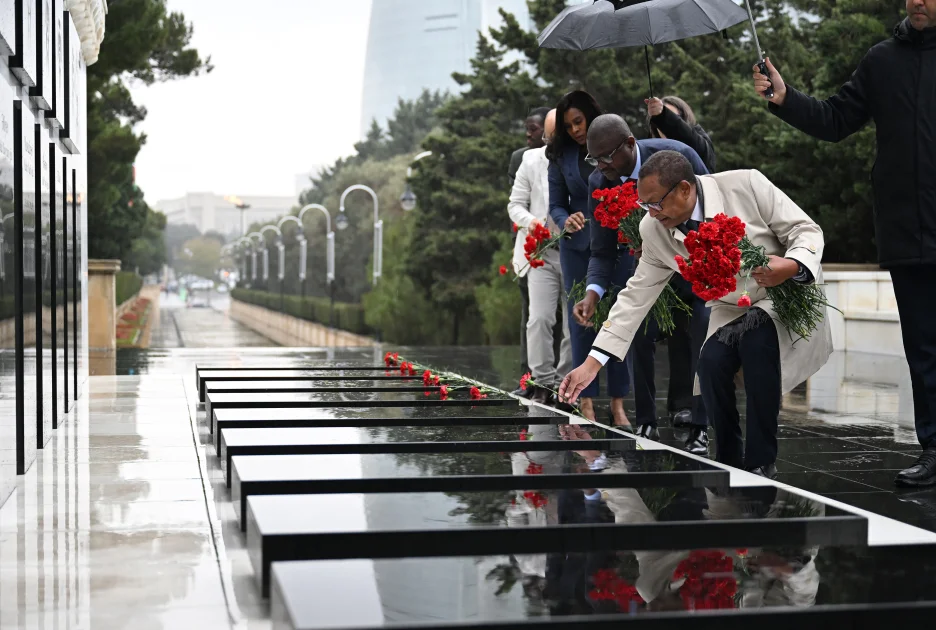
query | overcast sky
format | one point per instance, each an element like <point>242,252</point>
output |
<point>284,97</point>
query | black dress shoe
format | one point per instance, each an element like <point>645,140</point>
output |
<point>523,393</point>
<point>769,471</point>
<point>922,473</point>
<point>542,396</point>
<point>648,431</point>
<point>682,418</point>
<point>697,442</point>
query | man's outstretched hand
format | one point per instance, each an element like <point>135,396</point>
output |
<point>578,379</point>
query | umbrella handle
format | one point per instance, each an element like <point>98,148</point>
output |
<point>649,78</point>
<point>762,66</point>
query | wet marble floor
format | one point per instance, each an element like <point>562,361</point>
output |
<point>125,519</point>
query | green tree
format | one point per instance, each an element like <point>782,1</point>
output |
<point>462,198</point>
<point>200,256</point>
<point>148,251</point>
<point>147,43</point>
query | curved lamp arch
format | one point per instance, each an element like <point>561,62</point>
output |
<point>378,225</point>
<point>329,241</point>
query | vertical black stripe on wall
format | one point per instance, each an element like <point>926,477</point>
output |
<point>37,250</point>
<point>19,363</point>
<point>65,279</point>
<point>53,276</point>
<point>77,261</point>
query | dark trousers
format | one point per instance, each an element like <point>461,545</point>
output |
<point>683,347</point>
<point>575,269</point>
<point>758,353</point>
<point>916,304</point>
<point>525,317</point>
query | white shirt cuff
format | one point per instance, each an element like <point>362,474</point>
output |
<point>596,289</point>
<point>601,357</point>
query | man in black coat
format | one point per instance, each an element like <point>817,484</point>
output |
<point>895,86</point>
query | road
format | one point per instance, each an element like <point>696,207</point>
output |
<point>201,325</point>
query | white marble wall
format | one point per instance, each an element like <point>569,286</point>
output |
<point>868,321</point>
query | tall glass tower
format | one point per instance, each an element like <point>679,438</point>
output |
<point>417,44</point>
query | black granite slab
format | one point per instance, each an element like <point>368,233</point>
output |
<point>207,376</point>
<point>461,523</point>
<point>402,439</point>
<point>521,416</point>
<point>314,385</point>
<point>817,587</point>
<point>459,398</point>
<point>468,471</point>
<point>266,366</point>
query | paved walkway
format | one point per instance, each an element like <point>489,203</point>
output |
<point>201,326</point>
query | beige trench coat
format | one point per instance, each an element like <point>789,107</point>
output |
<point>772,221</point>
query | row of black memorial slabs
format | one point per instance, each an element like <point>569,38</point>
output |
<point>367,501</point>
<point>42,222</point>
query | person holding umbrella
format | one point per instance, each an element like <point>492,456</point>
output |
<point>569,208</point>
<point>671,118</point>
<point>895,86</point>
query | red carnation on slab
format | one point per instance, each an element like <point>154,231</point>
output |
<point>476,394</point>
<point>427,378</point>
<point>443,392</point>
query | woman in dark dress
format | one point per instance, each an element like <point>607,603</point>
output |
<point>671,117</point>
<point>568,207</point>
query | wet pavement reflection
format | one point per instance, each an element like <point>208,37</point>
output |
<point>125,519</point>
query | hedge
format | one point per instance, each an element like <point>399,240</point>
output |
<point>128,284</point>
<point>349,317</point>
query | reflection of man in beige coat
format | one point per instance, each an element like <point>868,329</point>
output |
<point>773,361</point>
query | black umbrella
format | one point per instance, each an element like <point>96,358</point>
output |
<point>617,24</point>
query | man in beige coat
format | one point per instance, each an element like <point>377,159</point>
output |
<point>773,361</point>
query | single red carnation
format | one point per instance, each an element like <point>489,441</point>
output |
<point>524,380</point>
<point>744,300</point>
<point>503,270</point>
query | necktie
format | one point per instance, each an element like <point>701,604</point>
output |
<point>688,226</point>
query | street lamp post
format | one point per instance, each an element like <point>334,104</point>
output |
<point>378,226</point>
<point>240,205</point>
<point>243,269</point>
<point>253,256</point>
<point>329,255</point>
<point>300,239</point>
<point>280,260</point>
<point>408,198</point>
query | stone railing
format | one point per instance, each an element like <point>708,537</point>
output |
<point>868,321</point>
<point>287,330</point>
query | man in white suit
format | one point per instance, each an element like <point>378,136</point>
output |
<point>747,338</point>
<point>528,207</point>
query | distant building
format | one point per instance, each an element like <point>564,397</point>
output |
<point>208,211</point>
<point>417,44</point>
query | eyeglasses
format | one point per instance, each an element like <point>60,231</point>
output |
<point>606,159</point>
<point>656,205</point>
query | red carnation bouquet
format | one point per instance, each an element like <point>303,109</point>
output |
<point>719,251</point>
<point>617,209</point>
<point>537,243</point>
<point>709,581</point>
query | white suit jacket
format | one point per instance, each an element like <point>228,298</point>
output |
<point>773,221</point>
<point>529,199</point>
